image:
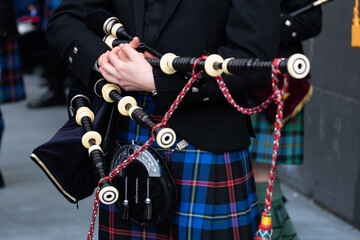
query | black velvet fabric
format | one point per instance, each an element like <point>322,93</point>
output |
<point>65,160</point>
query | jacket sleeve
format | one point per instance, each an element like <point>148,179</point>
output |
<point>300,27</point>
<point>70,37</point>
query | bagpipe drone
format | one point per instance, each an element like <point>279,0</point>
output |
<point>308,7</point>
<point>96,113</point>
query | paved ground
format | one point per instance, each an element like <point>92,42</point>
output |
<point>31,208</point>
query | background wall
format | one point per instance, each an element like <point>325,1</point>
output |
<point>331,170</point>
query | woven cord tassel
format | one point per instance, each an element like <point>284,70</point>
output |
<point>265,229</point>
<point>355,28</point>
<point>148,205</point>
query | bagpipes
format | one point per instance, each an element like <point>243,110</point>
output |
<point>116,181</point>
<point>297,66</point>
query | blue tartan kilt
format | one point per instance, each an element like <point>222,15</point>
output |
<point>11,78</point>
<point>216,194</point>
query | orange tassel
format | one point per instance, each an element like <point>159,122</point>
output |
<point>355,28</point>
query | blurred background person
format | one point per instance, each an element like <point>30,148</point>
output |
<point>27,14</point>
<point>11,78</point>
<point>293,30</point>
<point>57,75</point>
<point>32,17</point>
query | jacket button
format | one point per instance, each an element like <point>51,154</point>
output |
<point>194,89</point>
<point>294,34</point>
<point>70,60</point>
<point>288,23</point>
<point>75,50</point>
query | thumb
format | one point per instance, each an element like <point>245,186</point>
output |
<point>135,43</point>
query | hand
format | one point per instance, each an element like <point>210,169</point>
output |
<point>127,68</point>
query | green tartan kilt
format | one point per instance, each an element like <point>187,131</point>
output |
<point>291,147</point>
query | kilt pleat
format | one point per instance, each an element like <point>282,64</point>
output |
<point>11,78</point>
<point>216,195</point>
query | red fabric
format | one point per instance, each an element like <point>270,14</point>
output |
<point>298,89</point>
<point>35,19</point>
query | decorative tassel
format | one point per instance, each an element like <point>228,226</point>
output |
<point>265,229</point>
<point>125,214</point>
<point>355,28</point>
<point>148,209</point>
<point>148,205</point>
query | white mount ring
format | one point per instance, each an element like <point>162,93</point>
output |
<point>298,66</point>
<point>91,135</point>
<point>108,195</point>
<point>166,63</point>
<point>122,105</point>
<point>209,65</point>
<point>84,112</point>
<point>166,137</point>
<point>107,88</point>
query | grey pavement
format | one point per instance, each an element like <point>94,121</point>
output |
<point>31,208</point>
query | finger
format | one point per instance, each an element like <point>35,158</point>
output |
<point>106,75</point>
<point>135,43</point>
<point>121,53</point>
<point>130,52</point>
<point>114,70</point>
<point>111,78</point>
<point>100,60</point>
<point>106,71</point>
<point>105,58</point>
<point>148,55</point>
<point>116,50</point>
<point>115,59</point>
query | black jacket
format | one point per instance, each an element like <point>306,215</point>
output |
<point>295,29</point>
<point>7,21</point>
<point>232,28</point>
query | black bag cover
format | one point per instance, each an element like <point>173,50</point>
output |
<point>65,160</point>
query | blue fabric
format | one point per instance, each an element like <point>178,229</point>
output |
<point>216,194</point>
<point>21,8</point>
<point>11,78</point>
